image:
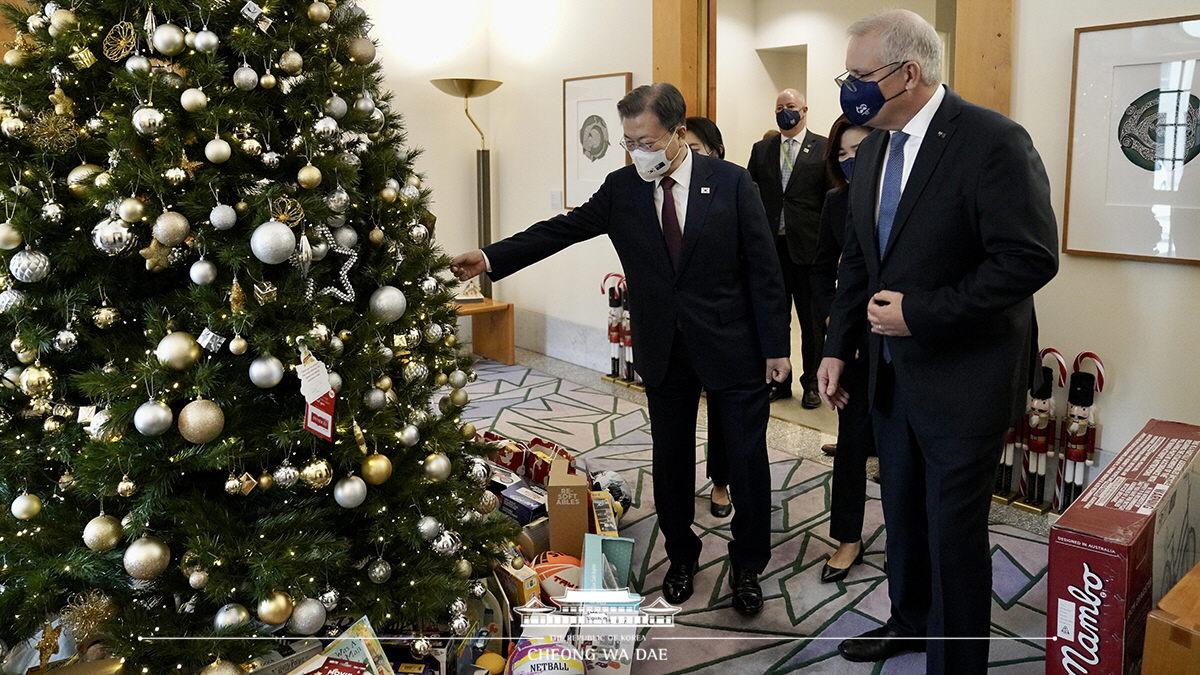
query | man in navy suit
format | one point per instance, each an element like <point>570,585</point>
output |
<point>950,233</point>
<point>707,309</point>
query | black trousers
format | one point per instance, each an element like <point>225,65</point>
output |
<point>743,411</point>
<point>716,466</point>
<point>936,496</point>
<point>855,442</point>
<point>797,285</point>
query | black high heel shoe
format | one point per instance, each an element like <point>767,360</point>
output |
<point>719,510</point>
<point>831,574</point>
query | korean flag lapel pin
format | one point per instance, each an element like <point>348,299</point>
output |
<point>704,190</point>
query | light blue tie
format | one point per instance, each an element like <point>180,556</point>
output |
<point>889,201</point>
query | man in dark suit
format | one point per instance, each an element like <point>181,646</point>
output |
<point>950,234</point>
<point>707,310</point>
<point>790,174</point>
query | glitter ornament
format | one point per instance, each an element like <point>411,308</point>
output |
<point>102,533</point>
<point>201,421</point>
<point>308,177</point>
<point>286,475</point>
<point>147,558</point>
<point>307,618</point>
<point>272,242</point>
<point>379,571</point>
<point>345,237</point>
<point>245,78</point>
<point>428,527</point>
<point>336,107</point>
<point>291,62</point>
<point>222,216</point>
<point>171,228</point>
<point>387,304</point>
<point>361,50</point>
<point>375,399</point>
<point>458,379</point>
<point>198,579</point>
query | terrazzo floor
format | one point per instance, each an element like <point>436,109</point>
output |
<point>803,620</point>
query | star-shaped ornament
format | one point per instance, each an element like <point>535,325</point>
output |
<point>63,105</point>
<point>156,256</point>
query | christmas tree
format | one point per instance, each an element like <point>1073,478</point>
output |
<point>233,399</point>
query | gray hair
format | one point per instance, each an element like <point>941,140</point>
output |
<point>661,98</point>
<point>905,36</point>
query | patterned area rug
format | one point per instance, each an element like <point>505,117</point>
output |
<point>803,621</point>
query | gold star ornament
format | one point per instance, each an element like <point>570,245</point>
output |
<point>156,256</point>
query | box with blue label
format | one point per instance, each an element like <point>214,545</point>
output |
<point>523,503</point>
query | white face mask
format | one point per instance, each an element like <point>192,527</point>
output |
<point>652,165</point>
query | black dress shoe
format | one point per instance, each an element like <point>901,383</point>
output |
<point>719,510</point>
<point>878,645</point>
<point>677,585</point>
<point>811,400</point>
<point>831,574</point>
<point>830,449</point>
<point>779,392</point>
<point>747,594</point>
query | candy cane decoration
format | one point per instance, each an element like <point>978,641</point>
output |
<point>1099,367</point>
<point>1062,363</point>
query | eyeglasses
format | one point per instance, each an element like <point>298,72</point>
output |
<point>847,80</point>
<point>630,145</point>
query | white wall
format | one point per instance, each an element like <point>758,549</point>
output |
<point>1139,317</point>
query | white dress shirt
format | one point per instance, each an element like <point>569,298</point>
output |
<point>683,180</point>
<point>917,128</point>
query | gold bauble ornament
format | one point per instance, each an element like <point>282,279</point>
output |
<point>376,469</point>
<point>361,50</point>
<point>389,194</point>
<point>441,379</point>
<point>275,609</point>
<point>36,380</point>
<point>147,557</point>
<point>462,568</point>
<point>238,345</point>
<point>384,383</point>
<point>102,533</point>
<point>105,317</point>
<point>201,421</point>
<point>28,357</point>
<point>317,473</point>
<point>26,506</point>
<point>468,431</point>
<point>222,667</point>
<point>459,397</point>
<point>81,178</point>
<point>266,481</point>
<point>178,351</point>
<point>376,236</point>
<point>344,334</point>
<point>450,340</point>
<point>309,176</point>
<point>15,58</point>
<point>126,488</point>
<point>267,81</point>
<point>52,425</point>
<point>291,62</point>
<point>318,12</point>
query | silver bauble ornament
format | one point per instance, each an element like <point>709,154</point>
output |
<point>335,381</point>
<point>168,39</point>
<point>222,216</point>
<point>376,121</point>
<point>203,272</point>
<point>418,234</point>
<point>245,78</point>
<point>457,606</point>
<point>178,351</point>
<point>26,506</point>
<point>207,41</point>
<point>336,107</point>
<point>230,616</point>
<point>193,100</point>
<point>326,128</point>
<point>153,418</point>
<point>479,471</point>
<point>338,200</point>
<point>437,467</point>
<point>272,242</point>
<point>102,533</point>
<point>428,527</point>
<point>433,332</point>
<point>316,473</point>
<point>430,285</point>
<point>320,249</point>
<point>270,160</point>
<point>148,121</point>
<point>364,104</point>
<point>379,571</point>
<point>308,616</point>
<point>201,421</point>
<point>252,147</point>
<point>375,399</point>
<point>335,220</point>
<point>35,22</point>
<point>266,371</point>
<point>13,127</point>
<point>65,340</point>
<point>420,648</point>
<point>447,543</point>
<point>350,492</point>
<point>132,210</point>
<point>198,579</point>
<point>458,379</point>
<point>415,371</point>
<point>10,237</point>
<point>147,558</point>
<point>459,625</point>
<point>387,304</point>
<point>329,599</point>
<point>171,228</point>
<point>345,237</point>
<point>29,266</point>
<point>218,151</point>
<point>393,184</point>
<point>286,475</point>
<point>112,236</point>
<point>11,299</point>
<point>53,212</point>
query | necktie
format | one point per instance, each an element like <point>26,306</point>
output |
<point>789,161</point>
<point>889,201</point>
<point>889,194</point>
<point>670,221</point>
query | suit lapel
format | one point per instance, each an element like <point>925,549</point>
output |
<point>699,197</point>
<point>774,172</point>
<point>933,145</point>
<point>866,201</point>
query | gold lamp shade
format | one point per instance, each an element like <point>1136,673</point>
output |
<point>468,88</point>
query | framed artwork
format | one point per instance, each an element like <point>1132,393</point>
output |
<point>591,133</point>
<point>1133,177</point>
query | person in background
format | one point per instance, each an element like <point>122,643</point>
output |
<point>704,137</point>
<point>855,437</point>
<point>950,234</point>
<point>790,174</point>
<point>708,310</point>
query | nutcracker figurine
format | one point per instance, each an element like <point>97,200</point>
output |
<point>616,340</point>
<point>1037,434</point>
<point>1079,439</point>
<point>627,338</point>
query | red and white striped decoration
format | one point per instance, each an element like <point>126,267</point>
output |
<point>1062,363</point>
<point>1099,367</point>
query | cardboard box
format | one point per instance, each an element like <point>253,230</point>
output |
<point>535,538</point>
<point>502,478</point>
<point>607,562</point>
<point>520,586</point>
<point>604,515</point>
<point>1173,630</point>
<point>523,504</point>
<point>567,502</point>
<point>1119,547</point>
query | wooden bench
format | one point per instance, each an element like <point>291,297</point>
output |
<point>491,329</point>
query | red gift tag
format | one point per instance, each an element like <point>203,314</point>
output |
<point>318,415</point>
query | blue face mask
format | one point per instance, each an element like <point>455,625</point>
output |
<point>848,168</point>
<point>787,119</point>
<point>861,100</point>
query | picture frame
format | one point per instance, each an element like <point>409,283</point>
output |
<point>1133,159</point>
<point>591,133</point>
